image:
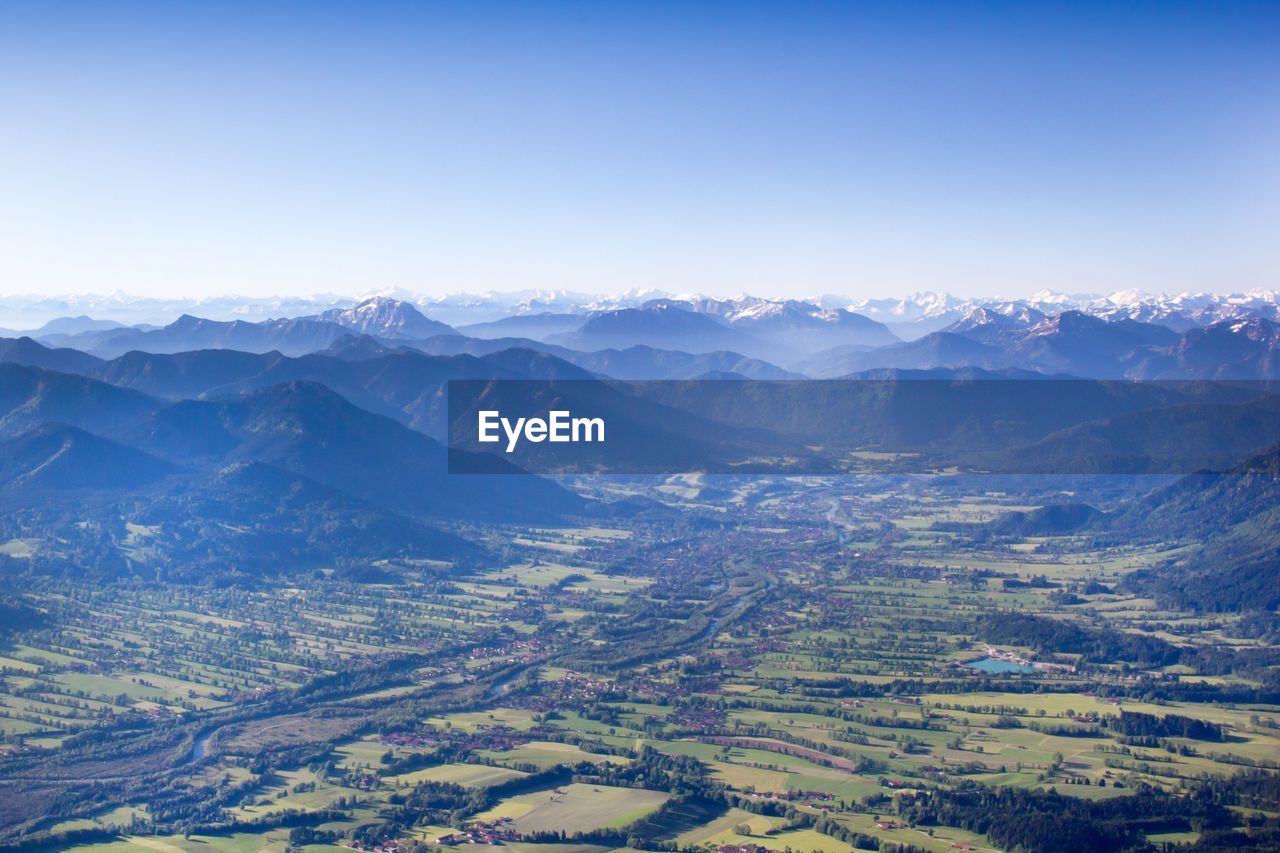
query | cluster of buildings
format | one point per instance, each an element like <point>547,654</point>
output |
<point>262,691</point>
<point>497,738</point>
<point>482,832</point>
<point>791,796</point>
<point>699,717</point>
<point>572,687</point>
<point>516,651</point>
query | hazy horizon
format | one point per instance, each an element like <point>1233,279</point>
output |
<point>30,312</point>
<point>605,294</point>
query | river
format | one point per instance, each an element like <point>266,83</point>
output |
<point>200,748</point>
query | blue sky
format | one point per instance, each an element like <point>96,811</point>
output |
<point>780,149</point>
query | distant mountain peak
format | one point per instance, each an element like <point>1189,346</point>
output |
<point>986,315</point>
<point>357,347</point>
<point>1051,297</point>
<point>298,393</point>
<point>75,325</point>
<point>1069,322</point>
<point>386,317</point>
<point>996,325</point>
<point>1255,329</point>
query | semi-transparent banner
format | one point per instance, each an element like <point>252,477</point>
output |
<point>1032,426</point>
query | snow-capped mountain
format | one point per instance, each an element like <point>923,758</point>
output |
<point>797,325</point>
<point>789,325</point>
<point>988,325</point>
<point>760,328</point>
<point>917,306</point>
<point>384,317</point>
<point>1186,310</point>
<point>914,316</point>
<point>460,309</point>
<point>1124,334</point>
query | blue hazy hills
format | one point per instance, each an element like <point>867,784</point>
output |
<point>246,447</point>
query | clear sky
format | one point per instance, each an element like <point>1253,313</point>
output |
<point>191,149</point>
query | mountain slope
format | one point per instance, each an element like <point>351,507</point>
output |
<point>1076,343</point>
<point>458,345</point>
<point>184,374</point>
<point>641,362</point>
<point>291,337</point>
<point>226,525</point>
<point>257,518</point>
<point>1234,516</point>
<point>403,383</point>
<point>74,326</point>
<point>31,396</point>
<point>535,326</point>
<point>33,354</point>
<point>1164,440</point>
<point>986,325</point>
<point>1052,520</point>
<point>793,327</point>
<point>56,457</point>
<point>662,325</point>
<point>939,349</point>
<point>949,419</point>
<point>1236,349</point>
<point>306,428</point>
<point>1082,344</point>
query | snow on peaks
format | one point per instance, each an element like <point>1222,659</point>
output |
<point>913,307</point>
<point>385,317</point>
<point>1128,297</point>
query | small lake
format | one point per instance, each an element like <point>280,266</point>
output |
<point>1000,666</point>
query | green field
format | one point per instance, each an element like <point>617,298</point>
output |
<point>576,808</point>
<point>784,672</point>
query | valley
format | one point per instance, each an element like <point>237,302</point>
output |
<point>274,595</point>
<point>770,680</point>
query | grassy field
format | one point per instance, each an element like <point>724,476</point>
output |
<point>576,808</point>
<point>770,832</point>
<point>544,754</point>
<point>466,775</point>
<point>272,841</point>
<point>833,670</point>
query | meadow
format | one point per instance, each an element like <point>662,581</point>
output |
<point>775,685</point>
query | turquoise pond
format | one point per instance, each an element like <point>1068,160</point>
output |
<point>993,665</point>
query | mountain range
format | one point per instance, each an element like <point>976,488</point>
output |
<point>1072,342</point>
<point>317,438</point>
<point>908,317</point>
<point>690,337</point>
<point>1233,518</point>
<point>85,465</point>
